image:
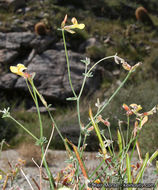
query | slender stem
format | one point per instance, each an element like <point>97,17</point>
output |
<point>51,180</point>
<point>113,95</point>
<point>79,121</point>
<point>55,125</point>
<point>111,141</point>
<point>83,83</point>
<point>134,145</point>
<point>30,89</point>
<point>26,179</point>
<point>50,138</point>
<point>84,141</point>
<point>37,107</point>
<point>32,135</point>
<point>68,64</point>
<point>127,148</point>
<point>123,140</point>
<point>109,57</point>
<point>78,107</point>
<point>127,130</point>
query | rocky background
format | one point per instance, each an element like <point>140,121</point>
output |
<point>111,27</point>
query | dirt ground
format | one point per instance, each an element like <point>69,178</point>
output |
<point>56,160</point>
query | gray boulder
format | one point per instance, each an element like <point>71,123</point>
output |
<point>15,40</point>
<point>51,74</point>
<point>7,56</point>
<point>7,81</point>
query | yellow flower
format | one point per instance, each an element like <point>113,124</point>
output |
<point>136,108</point>
<point>19,70</point>
<point>74,25</point>
<point>0,177</point>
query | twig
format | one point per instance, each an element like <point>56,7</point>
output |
<point>48,145</point>
<point>40,171</point>
<point>26,178</point>
<point>36,183</point>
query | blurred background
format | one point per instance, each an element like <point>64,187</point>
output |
<point>29,35</point>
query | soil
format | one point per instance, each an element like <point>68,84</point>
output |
<point>56,160</point>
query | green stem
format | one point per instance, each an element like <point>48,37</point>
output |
<point>78,107</point>
<point>127,148</point>
<point>55,125</point>
<point>136,138</point>
<point>127,130</point>
<point>83,83</point>
<point>79,121</point>
<point>139,175</point>
<point>37,107</point>
<point>84,141</point>
<point>128,166</point>
<point>32,135</point>
<point>97,130</point>
<point>30,89</point>
<point>113,95</point>
<point>111,141</point>
<point>68,64</point>
<point>109,57</point>
<point>51,180</point>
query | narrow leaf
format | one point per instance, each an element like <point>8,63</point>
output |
<point>71,99</point>
<point>154,155</point>
<point>128,166</point>
<point>119,142</point>
<point>139,175</point>
<point>95,125</point>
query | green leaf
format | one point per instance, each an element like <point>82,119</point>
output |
<point>128,166</point>
<point>119,142</point>
<point>86,61</point>
<point>41,141</point>
<point>154,155</point>
<point>139,175</point>
<point>88,75</point>
<point>71,98</point>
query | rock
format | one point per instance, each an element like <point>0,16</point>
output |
<point>41,109</point>
<point>7,81</point>
<point>15,40</point>
<point>72,134</point>
<point>7,56</point>
<point>41,43</point>
<point>88,43</point>
<point>15,4</point>
<point>51,75</point>
<point>20,41</point>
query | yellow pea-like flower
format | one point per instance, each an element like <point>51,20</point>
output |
<point>75,25</point>
<point>18,70</point>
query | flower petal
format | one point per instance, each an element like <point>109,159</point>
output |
<point>144,120</point>
<point>74,21</point>
<point>13,69</point>
<point>80,26</point>
<point>70,31</point>
<point>21,67</point>
<point>18,69</point>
